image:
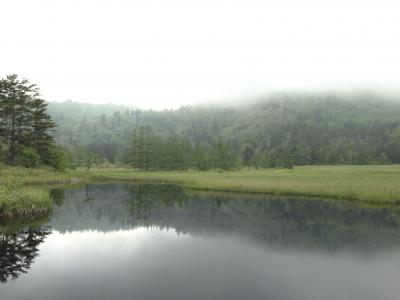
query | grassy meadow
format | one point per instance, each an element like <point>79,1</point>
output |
<point>25,192</point>
<point>363,183</point>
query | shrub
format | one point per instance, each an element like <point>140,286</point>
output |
<point>29,157</point>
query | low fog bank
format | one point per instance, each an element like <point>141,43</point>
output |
<point>366,95</point>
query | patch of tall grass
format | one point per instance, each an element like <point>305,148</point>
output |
<point>362,183</point>
<point>23,194</point>
<point>24,202</point>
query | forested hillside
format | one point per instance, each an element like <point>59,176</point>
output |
<point>279,130</point>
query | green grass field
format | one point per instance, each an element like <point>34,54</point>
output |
<point>23,191</point>
<point>363,183</point>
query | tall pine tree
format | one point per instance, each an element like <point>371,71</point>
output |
<point>24,123</point>
<point>41,123</point>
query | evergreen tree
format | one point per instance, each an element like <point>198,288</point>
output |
<point>41,124</point>
<point>142,152</point>
<point>223,157</point>
<point>247,155</point>
<point>287,158</point>
<point>14,113</point>
<point>266,160</point>
<point>24,122</point>
<point>174,153</point>
<point>200,160</point>
<point>186,153</point>
<point>383,159</point>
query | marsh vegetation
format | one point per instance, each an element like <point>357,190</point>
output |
<point>25,193</point>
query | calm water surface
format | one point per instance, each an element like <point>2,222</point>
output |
<point>125,241</point>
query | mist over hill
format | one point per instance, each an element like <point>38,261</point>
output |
<point>324,128</point>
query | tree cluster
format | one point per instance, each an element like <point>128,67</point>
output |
<point>25,125</point>
<point>151,152</point>
<point>282,130</point>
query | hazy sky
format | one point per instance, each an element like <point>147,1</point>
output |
<point>170,52</point>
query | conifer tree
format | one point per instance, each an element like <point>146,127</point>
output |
<point>247,155</point>
<point>42,123</point>
<point>14,113</point>
<point>24,123</point>
<point>142,152</point>
<point>200,160</point>
<point>223,157</point>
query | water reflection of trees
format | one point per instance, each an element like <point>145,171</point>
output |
<point>58,196</point>
<point>18,250</point>
<point>144,198</point>
<point>280,221</point>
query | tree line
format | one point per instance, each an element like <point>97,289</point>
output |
<point>278,131</point>
<point>25,126</point>
<point>152,152</point>
<point>281,130</point>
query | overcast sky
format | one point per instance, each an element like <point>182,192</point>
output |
<point>166,53</point>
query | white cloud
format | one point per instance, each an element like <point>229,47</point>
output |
<point>168,53</point>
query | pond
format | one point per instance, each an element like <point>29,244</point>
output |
<point>149,241</point>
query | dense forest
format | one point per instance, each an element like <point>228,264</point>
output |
<point>283,129</point>
<point>280,130</point>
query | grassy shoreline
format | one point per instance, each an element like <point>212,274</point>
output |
<point>377,184</point>
<point>23,192</point>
